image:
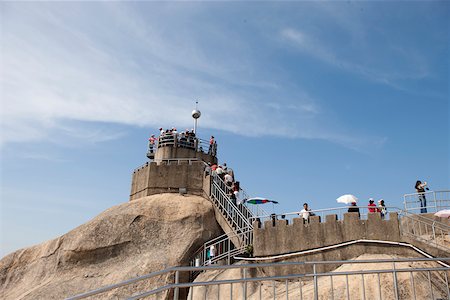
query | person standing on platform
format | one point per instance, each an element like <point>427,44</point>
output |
<point>420,188</point>
<point>306,213</point>
<point>211,145</point>
<point>372,206</point>
<point>354,208</point>
<point>382,208</point>
<point>151,143</point>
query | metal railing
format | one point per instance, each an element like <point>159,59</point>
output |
<point>414,278</point>
<point>425,229</point>
<point>435,201</point>
<point>339,211</point>
<point>237,215</point>
<point>186,141</point>
<point>225,249</point>
<point>239,218</point>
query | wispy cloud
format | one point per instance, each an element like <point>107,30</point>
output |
<point>314,47</point>
<point>119,66</point>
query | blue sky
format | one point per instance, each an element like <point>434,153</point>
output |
<point>308,101</point>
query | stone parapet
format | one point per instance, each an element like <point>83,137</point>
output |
<point>279,237</point>
<point>155,178</point>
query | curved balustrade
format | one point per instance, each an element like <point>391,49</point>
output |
<point>188,142</point>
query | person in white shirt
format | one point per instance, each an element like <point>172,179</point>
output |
<point>228,180</point>
<point>219,171</point>
<point>306,213</point>
<point>212,253</point>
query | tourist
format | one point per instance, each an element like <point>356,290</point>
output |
<point>273,216</point>
<point>382,208</point>
<point>420,188</point>
<point>228,180</point>
<point>224,167</point>
<point>212,253</point>
<point>354,208</point>
<point>236,189</point>
<point>211,145</point>
<point>151,143</point>
<point>305,213</point>
<point>161,131</point>
<point>219,172</point>
<point>238,198</point>
<point>208,169</point>
<point>372,206</point>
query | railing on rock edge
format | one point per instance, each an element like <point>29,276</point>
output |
<point>434,278</point>
<point>425,229</point>
<point>436,200</point>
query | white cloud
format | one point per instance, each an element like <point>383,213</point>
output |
<point>107,63</point>
<point>413,68</point>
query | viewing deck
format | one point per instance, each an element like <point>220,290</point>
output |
<point>171,146</point>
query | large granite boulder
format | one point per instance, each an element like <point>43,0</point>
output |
<point>123,242</point>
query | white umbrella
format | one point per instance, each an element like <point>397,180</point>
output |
<point>346,199</point>
<point>443,213</point>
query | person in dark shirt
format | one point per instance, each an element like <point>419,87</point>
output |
<point>354,208</point>
<point>420,188</point>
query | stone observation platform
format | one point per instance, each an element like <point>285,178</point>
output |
<point>177,164</point>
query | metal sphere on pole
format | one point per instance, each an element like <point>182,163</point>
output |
<point>196,114</point>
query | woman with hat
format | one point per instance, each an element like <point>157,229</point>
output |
<point>382,208</point>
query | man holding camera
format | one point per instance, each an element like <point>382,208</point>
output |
<point>420,188</point>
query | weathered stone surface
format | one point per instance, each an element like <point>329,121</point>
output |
<point>123,242</point>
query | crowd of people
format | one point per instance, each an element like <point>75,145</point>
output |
<point>306,212</point>
<point>226,174</point>
<point>421,188</point>
<point>185,139</point>
<point>371,207</point>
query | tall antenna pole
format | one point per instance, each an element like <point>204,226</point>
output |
<point>196,114</point>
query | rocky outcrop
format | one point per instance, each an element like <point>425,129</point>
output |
<point>123,242</point>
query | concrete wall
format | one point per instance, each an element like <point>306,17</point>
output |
<point>286,238</point>
<point>156,178</point>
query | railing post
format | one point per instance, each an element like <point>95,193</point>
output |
<point>435,201</point>
<point>394,274</point>
<point>316,286</point>
<point>244,284</point>
<point>434,231</point>
<point>404,202</point>
<point>177,291</point>
<point>229,249</point>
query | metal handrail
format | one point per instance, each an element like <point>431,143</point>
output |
<point>424,229</point>
<point>229,209</point>
<point>177,270</point>
<point>224,246</point>
<point>190,142</point>
<point>339,211</point>
<point>436,200</point>
<point>314,276</point>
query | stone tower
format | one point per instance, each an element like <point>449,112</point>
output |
<point>176,164</point>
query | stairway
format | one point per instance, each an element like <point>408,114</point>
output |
<point>236,221</point>
<point>425,233</point>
